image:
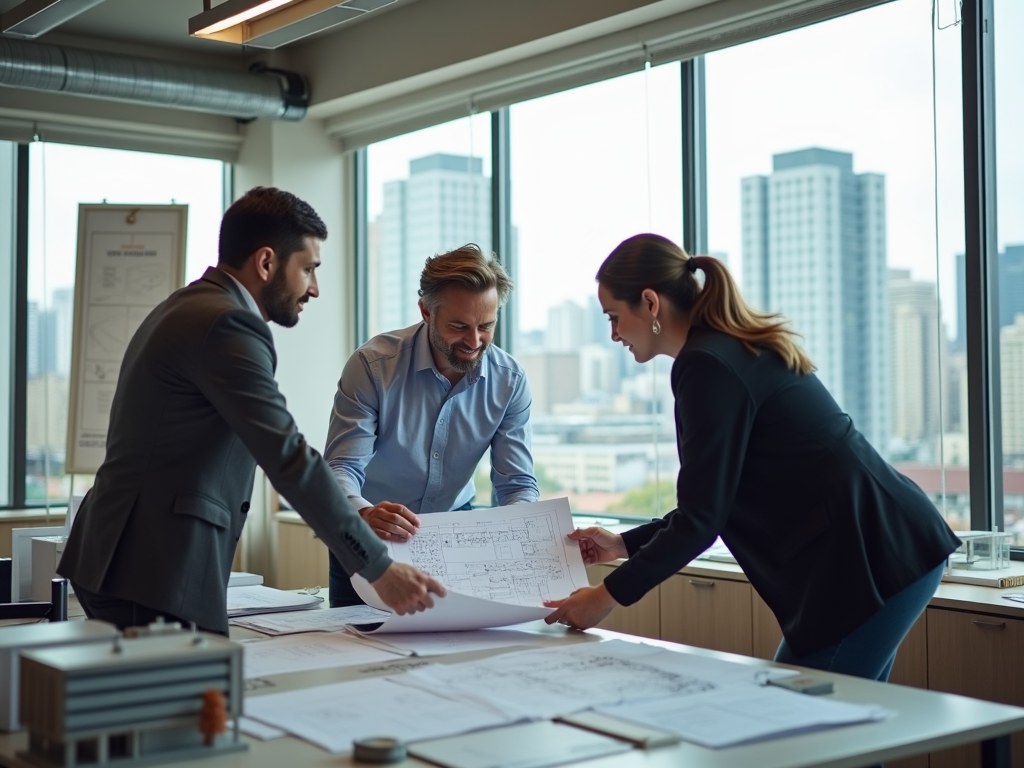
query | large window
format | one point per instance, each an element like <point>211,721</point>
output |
<point>61,177</point>
<point>823,197</point>
<point>427,192</point>
<point>8,245</point>
<point>834,166</point>
<point>589,168</point>
<point>1009,114</point>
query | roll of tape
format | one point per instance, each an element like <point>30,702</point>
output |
<point>378,749</point>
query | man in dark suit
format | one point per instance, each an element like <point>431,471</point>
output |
<point>196,409</point>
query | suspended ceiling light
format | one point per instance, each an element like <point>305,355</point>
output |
<point>273,23</point>
<point>33,18</point>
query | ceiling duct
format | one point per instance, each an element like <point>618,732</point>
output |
<point>263,92</point>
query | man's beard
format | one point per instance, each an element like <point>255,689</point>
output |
<point>448,351</point>
<point>279,303</point>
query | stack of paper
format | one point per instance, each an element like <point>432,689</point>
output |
<point>247,601</point>
<point>243,579</point>
<point>327,620</point>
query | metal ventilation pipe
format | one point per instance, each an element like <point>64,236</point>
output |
<point>263,92</point>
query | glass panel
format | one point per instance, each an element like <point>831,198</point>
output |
<point>822,193</point>
<point>61,177</point>
<point>427,192</point>
<point>8,201</point>
<point>1009,26</point>
<point>591,167</point>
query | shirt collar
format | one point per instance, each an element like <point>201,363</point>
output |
<point>250,302</point>
<point>424,357</point>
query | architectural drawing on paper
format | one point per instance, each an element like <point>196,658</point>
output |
<point>511,561</point>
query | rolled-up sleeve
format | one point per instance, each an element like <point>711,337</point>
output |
<point>512,474</point>
<point>352,435</point>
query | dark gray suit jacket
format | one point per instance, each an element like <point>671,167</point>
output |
<point>196,409</point>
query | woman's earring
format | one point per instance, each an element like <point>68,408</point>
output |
<point>656,327</point>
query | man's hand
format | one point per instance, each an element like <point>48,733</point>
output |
<point>598,545</point>
<point>405,589</point>
<point>583,609</point>
<point>390,521</point>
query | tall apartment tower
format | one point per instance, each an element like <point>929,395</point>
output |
<point>1011,374</point>
<point>814,250</point>
<point>914,317</point>
<point>445,203</point>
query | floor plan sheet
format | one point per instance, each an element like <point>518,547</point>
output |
<point>517,554</point>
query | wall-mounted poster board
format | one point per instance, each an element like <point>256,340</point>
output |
<point>130,258</point>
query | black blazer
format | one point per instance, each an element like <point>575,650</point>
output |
<point>823,527</point>
<point>195,410</point>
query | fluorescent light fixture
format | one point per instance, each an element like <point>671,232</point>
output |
<point>33,18</point>
<point>230,13</point>
<point>273,23</point>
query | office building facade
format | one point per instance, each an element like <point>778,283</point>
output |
<point>814,250</point>
<point>443,204</point>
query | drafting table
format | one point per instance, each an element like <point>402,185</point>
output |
<point>923,721</point>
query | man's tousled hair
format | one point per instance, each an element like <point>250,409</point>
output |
<point>467,268</point>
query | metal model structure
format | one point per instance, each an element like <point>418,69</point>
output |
<point>135,701</point>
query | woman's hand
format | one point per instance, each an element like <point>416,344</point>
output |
<point>583,609</point>
<point>598,545</point>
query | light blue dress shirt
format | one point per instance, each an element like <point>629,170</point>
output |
<point>402,432</point>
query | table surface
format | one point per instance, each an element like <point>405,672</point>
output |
<point>922,721</point>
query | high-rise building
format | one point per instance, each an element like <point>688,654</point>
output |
<point>1011,375</point>
<point>1010,272</point>
<point>567,329</point>
<point>445,203</point>
<point>814,249</point>
<point>916,406</point>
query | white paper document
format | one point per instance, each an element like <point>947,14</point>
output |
<point>524,745</point>
<point>256,599</point>
<point>498,564</point>
<point>452,613</point>
<point>544,683</point>
<point>743,713</point>
<point>301,653</point>
<point>439,643</point>
<point>259,730</point>
<point>331,716</point>
<point>326,620</point>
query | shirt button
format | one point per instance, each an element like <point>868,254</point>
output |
<point>440,421</point>
<point>437,455</point>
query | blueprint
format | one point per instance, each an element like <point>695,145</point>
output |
<point>516,554</point>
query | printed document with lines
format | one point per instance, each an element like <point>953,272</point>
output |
<point>501,563</point>
<point>561,681</point>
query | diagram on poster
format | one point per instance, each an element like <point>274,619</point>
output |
<point>517,554</point>
<point>130,258</point>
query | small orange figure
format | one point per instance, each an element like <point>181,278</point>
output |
<point>213,718</point>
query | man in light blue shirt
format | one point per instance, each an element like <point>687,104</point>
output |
<point>417,408</point>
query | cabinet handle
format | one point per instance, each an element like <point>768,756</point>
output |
<point>995,624</point>
<point>700,583</point>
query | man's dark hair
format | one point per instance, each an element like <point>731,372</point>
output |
<point>267,217</point>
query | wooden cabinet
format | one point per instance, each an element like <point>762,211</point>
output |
<point>767,634</point>
<point>707,612</point>
<point>643,618</point>
<point>301,557</point>
<point>978,655</point>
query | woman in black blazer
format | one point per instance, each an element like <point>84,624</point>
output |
<point>845,550</point>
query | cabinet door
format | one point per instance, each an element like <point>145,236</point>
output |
<point>709,613</point>
<point>642,618</point>
<point>301,558</point>
<point>767,634</point>
<point>911,665</point>
<point>977,655</point>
